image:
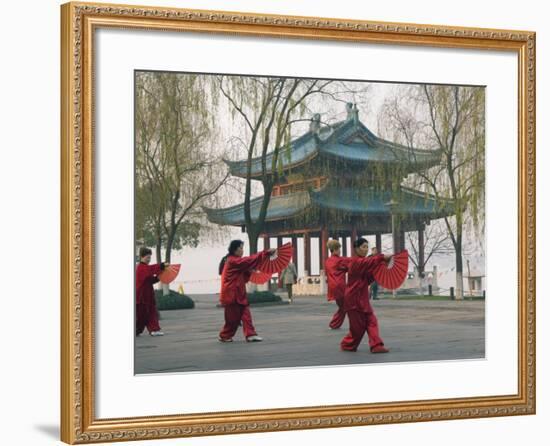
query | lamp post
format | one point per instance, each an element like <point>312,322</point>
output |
<point>392,205</point>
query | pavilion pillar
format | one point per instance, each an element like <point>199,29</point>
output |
<point>266,242</point>
<point>421,250</point>
<point>379,242</point>
<point>307,253</point>
<point>394,233</point>
<point>279,242</point>
<point>324,250</point>
<point>401,240</point>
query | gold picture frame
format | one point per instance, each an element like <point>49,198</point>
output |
<point>78,24</point>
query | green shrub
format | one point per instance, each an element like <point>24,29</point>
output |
<point>257,297</point>
<point>173,301</point>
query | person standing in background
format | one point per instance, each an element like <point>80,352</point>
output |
<point>289,277</point>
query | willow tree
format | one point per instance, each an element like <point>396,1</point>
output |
<point>176,171</point>
<point>148,212</point>
<point>450,119</point>
<point>436,242</point>
<point>267,108</point>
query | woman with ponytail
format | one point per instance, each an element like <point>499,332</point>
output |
<point>235,271</point>
<point>356,299</point>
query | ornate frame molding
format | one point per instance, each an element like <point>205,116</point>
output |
<point>78,22</point>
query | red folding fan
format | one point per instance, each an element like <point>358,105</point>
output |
<point>278,261</point>
<point>169,273</point>
<point>391,275</point>
<point>259,277</point>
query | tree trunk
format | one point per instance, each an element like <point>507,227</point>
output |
<point>169,243</point>
<point>459,267</point>
<point>159,250</point>
<point>253,241</point>
<point>253,247</point>
<point>420,282</point>
<point>168,256</point>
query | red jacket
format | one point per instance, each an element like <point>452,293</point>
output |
<point>357,289</point>
<point>235,274</point>
<point>146,276</point>
<point>335,269</point>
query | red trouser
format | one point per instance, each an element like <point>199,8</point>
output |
<point>147,316</point>
<point>359,323</point>
<point>338,318</point>
<point>234,314</point>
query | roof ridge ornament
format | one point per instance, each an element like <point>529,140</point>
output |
<point>352,112</point>
<point>315,124</point>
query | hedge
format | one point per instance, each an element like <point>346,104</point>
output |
<point>173,301</point>
<point>258,297</point>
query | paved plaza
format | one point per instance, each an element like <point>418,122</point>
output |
<point>297,334</point>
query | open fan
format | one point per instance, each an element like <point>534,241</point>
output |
<point>278,261</point>
<point>169,273</point>
<point>259,277</point>
<point>391,275</point>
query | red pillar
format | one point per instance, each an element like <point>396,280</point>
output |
<point>280,274</point>
<point>307,253</point>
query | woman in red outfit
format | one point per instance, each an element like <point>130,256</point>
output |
<point>235,270</point>
<point>336,268</point>
<point>356,300</point>
<point>146,307</point>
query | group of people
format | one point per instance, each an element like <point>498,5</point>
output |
<point>348,279</point>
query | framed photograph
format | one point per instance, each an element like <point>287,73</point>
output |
<point>277,223</point>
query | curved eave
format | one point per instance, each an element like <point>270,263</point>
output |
<point>351,202</point>
<point>373,149</point>
<point>279,208</point>
<point>366,155</point>
<point>303,150</point>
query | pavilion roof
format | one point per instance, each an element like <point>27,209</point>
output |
<point>370,201</point>
<point>349,201</point>
<point>347,140</point>
<point>279,208</point>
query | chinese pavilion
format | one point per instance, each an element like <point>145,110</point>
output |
<point>341,181</point>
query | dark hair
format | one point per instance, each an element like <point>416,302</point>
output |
<point>359,242</point>
<point>144,251</point>
<point>233,246</point>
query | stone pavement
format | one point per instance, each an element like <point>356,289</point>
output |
<point>297,334</point>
